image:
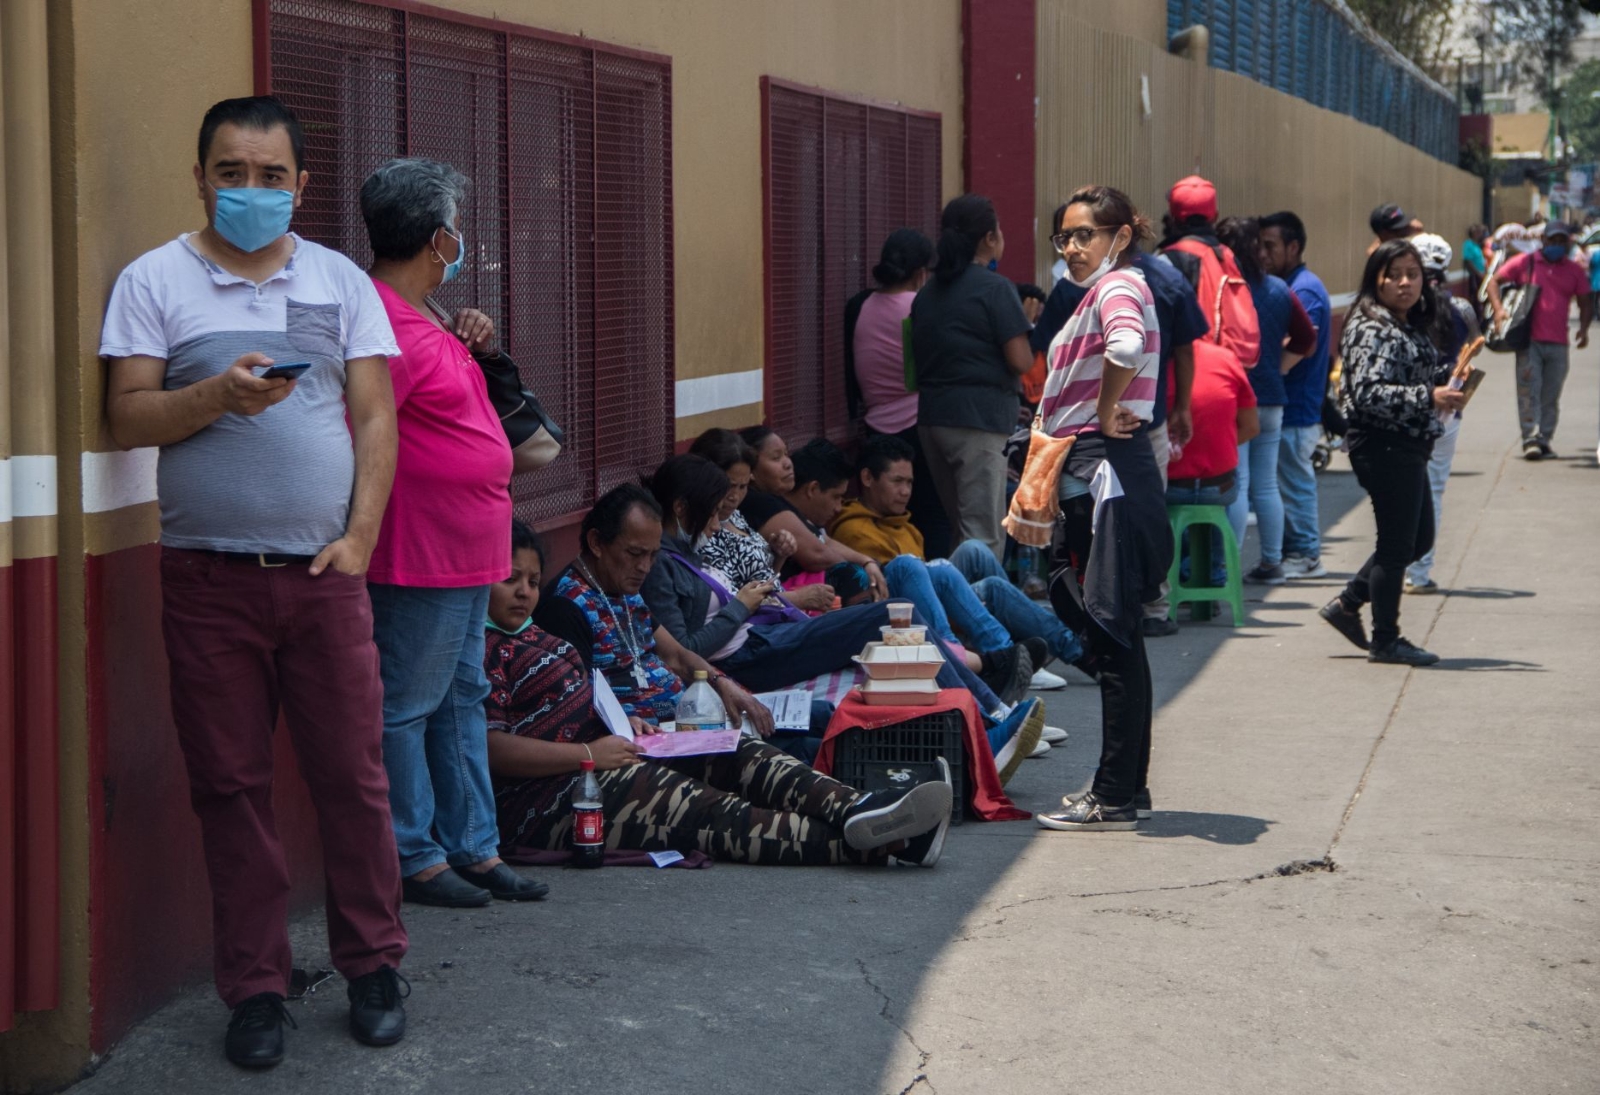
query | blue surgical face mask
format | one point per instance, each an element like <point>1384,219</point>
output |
<point>252,217</point>
<point>451,269</point>
<point>1554,252</point>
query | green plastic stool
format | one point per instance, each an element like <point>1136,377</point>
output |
<point>1198,521</point>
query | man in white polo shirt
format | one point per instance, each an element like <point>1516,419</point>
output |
<point>270,506</point>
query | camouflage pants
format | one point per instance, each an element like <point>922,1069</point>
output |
<point>757,805</point>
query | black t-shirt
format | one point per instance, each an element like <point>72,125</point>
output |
<point>759,507</point>
<point>958,335</point>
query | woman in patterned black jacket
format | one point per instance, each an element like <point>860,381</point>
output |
<point>1393,391</point>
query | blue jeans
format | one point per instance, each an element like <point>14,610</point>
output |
<point>1444,454</point>
<point>778,656</point>
<point>1022,617</point>
<point>435,737</point>
<point>1185,493</point>
<point>1297,482</point>
<point>1258,487</point>
<point>946,601</point>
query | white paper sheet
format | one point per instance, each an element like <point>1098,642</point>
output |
<point>791,708</point>
<point>609,709</point>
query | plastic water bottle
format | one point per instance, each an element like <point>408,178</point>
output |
<point>588,819</point>
<point>700,708</point>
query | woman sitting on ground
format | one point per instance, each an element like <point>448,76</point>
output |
<point>755,805</point>
<point>766,644</point>
<point>734,549</point>
<point>771,513</point>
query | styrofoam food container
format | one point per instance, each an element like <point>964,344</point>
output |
<point>882,662</point>
<point>912,693</point>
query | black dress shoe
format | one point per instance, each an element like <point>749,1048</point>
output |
<point>377,1017</point>
<point>502,882</point>
<point>255,1033</point>
<point>446,889</point>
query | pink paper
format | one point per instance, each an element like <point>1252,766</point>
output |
<point>689,743</point>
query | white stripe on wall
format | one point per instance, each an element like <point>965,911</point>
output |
<point>704,394</point>
<point>27,487</point>
<point>112,480</point>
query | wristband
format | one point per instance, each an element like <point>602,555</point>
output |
<point>586,749</point>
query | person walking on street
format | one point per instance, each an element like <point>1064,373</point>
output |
<point>270,508</point>
<point>442,546</point>
<point>1542,367</point>
<point>1116,545</point>
<point>1393,391</point>
<point>970,340</point>
<point>1305,386</point>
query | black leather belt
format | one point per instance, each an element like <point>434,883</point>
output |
<point>265,558</point>
<point>1221,482</point>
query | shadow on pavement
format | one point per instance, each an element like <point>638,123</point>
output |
<point>1487,593</point>
<point>1213,828</point>
<point>1489,665</point>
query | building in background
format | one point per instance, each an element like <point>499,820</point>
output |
<point>671,204</point>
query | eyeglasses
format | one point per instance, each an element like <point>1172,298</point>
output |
<point>1078,238</point>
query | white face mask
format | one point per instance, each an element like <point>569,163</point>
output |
<point>1099,272</point>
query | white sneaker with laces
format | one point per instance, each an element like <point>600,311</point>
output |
<point>1302,566</point>
<point>1046,681</point>
<point>1053,735</point>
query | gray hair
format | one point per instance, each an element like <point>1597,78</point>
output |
<point>405,201</point>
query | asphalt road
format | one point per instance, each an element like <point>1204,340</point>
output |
<point>1360,878</point>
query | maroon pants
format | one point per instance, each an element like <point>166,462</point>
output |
<point>244,640</point>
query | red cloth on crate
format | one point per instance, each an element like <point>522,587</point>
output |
<point>989,801</point>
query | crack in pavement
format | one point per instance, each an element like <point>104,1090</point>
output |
<point>923,1056</point>
<point>1283,870</point>
<point>1410,674</point>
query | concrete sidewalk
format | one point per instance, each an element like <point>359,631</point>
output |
<point>1434,931</point>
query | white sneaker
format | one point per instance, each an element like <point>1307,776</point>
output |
<point>1046,681</point>
<point>1302,566</point>
<point>1053,735</point>
<point>1040,750</point>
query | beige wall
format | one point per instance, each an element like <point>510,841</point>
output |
<point>1264,150</point>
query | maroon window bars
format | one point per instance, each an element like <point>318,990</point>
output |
<point>569,221</point>
<point>839,174</point>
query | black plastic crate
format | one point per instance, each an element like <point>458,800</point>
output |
<point>901,755</point>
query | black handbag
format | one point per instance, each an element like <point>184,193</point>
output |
<point>535,438</point>
<point>1517,331</point>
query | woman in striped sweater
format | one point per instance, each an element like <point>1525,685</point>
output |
<point>1116,548</point>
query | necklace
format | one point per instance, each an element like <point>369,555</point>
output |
<point>630,641</point>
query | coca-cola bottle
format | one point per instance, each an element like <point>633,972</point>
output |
<point>588,819</point>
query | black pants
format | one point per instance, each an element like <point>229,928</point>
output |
<point>1393,469</point>
<point>1127,705</point>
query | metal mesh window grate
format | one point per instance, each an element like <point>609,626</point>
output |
<point>840,175</point>
<point>568,223</point>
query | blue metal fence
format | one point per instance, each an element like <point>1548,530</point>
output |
<point>1318,51</point>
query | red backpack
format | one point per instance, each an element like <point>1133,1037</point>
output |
<point>1224,296</point>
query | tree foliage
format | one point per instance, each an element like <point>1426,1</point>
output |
<point>1583,112</point>
<point>1416,28</point>
<point>1540,34</point>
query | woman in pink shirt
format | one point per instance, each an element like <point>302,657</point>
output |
<point>441,547</point>
<point>881,392</point>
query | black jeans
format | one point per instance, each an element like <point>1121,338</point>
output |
<point>1127,703</point>
<point>1393,470</point>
